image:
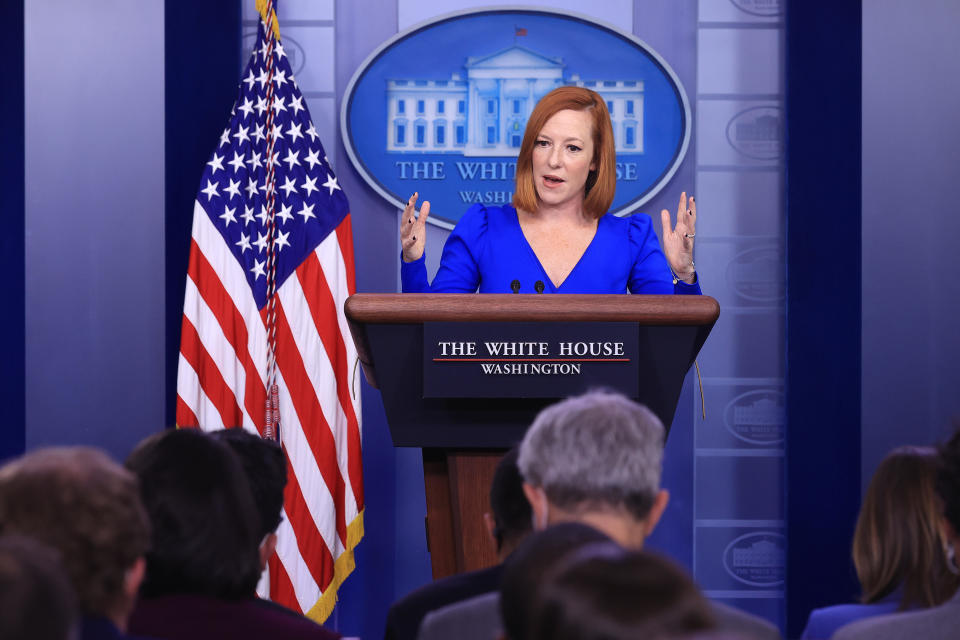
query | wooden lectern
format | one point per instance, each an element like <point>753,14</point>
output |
<point>464,434</point>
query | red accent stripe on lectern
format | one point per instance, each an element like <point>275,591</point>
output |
<point>531,360</point>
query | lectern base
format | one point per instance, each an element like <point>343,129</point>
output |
<point>457,486</point>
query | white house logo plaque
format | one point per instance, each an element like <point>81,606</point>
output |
<point>441,108</point>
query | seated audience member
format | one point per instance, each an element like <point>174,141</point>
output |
<point>87,508</point>
<point>265,466</point>
<point>896,546</point>
<point>36,599</point>
<point>479,618</point>
<point>204,563</point>
<point>508,525</point>
<point>596,459</point>
<point>936,623</point>
<point>602,592</point>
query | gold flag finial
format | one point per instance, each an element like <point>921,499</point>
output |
<point>262,6</point>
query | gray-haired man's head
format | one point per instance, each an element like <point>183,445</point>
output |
<point>598,453</point>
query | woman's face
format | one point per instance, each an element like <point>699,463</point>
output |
<point>563,157</point>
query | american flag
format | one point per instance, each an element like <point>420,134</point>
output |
<point>224,366</point>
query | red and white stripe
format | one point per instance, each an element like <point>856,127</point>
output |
<point>221,383</point>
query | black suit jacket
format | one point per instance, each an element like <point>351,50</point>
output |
<point>405,615</point>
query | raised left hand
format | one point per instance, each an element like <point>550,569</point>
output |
<point>678,240</point>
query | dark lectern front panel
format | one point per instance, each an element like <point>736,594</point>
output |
<point>665,353</point>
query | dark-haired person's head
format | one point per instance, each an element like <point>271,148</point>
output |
<point>205,524</point>
<point>534,558</point>
<point>897,542</point>
<point>86,507</point>
<point>510,519</point>
<point>948,489</point>
<point>601,181</point>
<point>603,592</point>
<point>265,465</point>
<point>596,458</point>
<point>36,599</point>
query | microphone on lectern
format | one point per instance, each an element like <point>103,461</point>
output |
<point>538,286</point>
<point>515,286</point>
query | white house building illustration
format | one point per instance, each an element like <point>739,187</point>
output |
<point>763,412</point>
<point>762,553</point>
<point>756,274</point>
<point>485,113</point>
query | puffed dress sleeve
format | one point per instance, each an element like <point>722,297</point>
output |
<point>459,270</point>
<point>650,272</point>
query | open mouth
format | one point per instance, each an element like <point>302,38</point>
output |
<point>552,180</point>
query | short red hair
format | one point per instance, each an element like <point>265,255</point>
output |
<point>602,181</point>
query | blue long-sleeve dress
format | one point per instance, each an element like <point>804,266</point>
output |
<point>487,252</point>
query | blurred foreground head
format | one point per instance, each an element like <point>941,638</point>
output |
<point>36,599</point>
<point>510,511</point>
<point>535,558</point>
<point>205,524</point>
<point>596,458</point>
<point>80,503</point>
<point>603,592</point>
<point>948,490</point>
<point>265,465</point>
<point>897,543</point>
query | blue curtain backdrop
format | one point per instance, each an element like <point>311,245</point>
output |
<point>823,310</point>
<point>12,329</point>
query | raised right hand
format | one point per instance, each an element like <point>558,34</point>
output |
<point>413,229</point>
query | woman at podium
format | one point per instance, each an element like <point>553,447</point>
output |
<point>557,236</point>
